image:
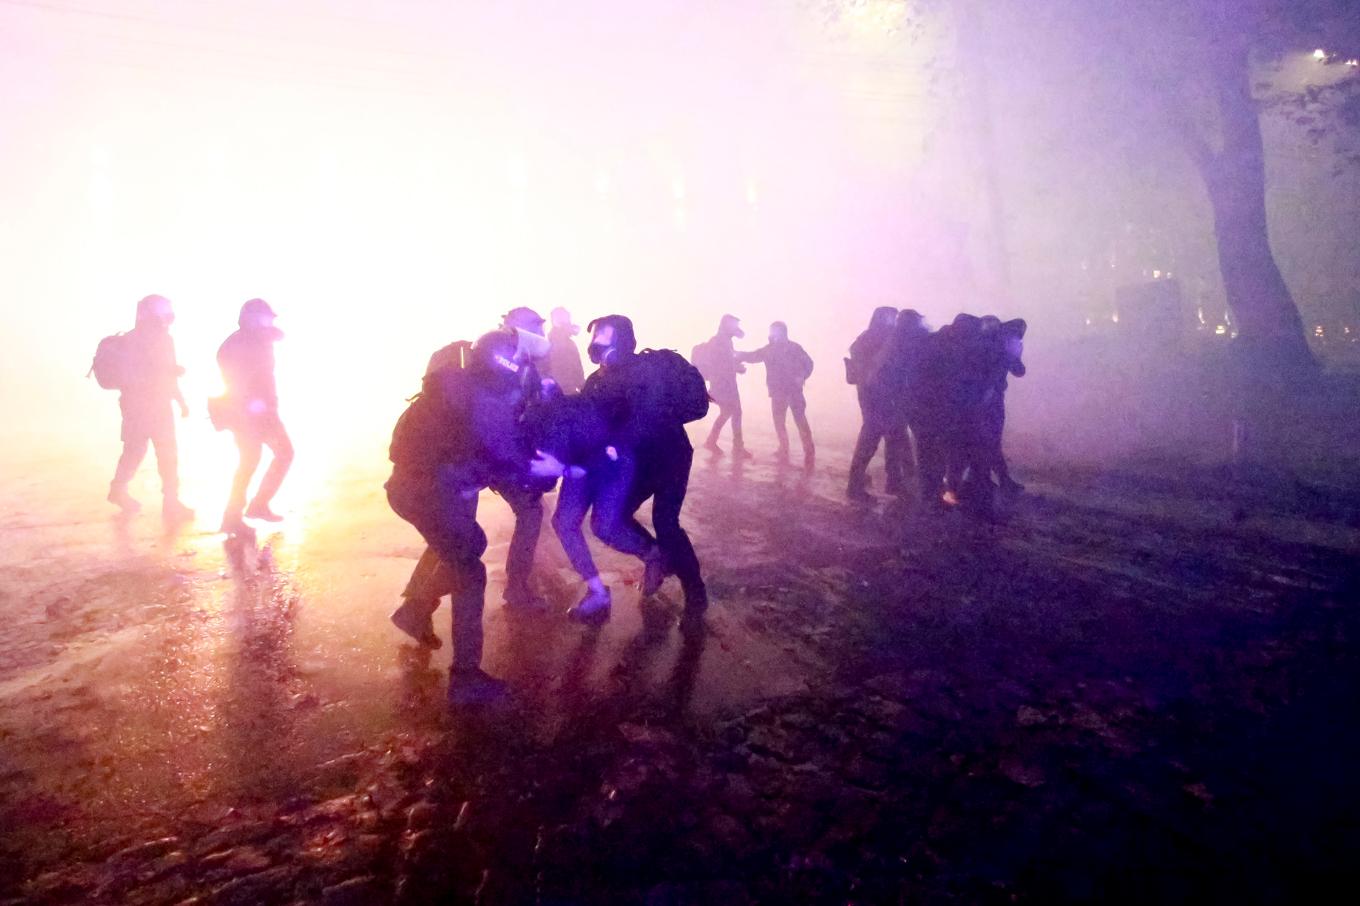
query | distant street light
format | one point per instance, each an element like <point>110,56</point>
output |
<point>1319,54</point>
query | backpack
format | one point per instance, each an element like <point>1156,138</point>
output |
<point>702,358</point>
<point>110,365</point>
<point>676,390</point>
<point>429,433</point>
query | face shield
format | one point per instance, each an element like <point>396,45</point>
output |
<point>529,345</point>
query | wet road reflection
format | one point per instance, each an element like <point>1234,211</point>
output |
<point>152,675</point>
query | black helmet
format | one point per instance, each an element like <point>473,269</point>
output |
<point>493,355</point>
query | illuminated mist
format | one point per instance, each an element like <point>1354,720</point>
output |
<point>394,176</point>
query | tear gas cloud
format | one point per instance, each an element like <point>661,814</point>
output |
<point>395,176</point>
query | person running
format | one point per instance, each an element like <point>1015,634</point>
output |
<point>787,368</point>
<point>251,405</point>
<point>147,376</point>
<point>645,399</point>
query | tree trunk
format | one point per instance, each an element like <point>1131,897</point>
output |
<point>1270,331</point>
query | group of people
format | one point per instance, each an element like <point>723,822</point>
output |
<point>142,366</point>
<point>515,412</point>
<point>947,391</point>
<point>509,413</point>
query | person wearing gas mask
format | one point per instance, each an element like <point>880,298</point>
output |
<point>787,368</point>
<point>717,361</point>
<point>865,369</point>
<point>563,364</point>
<point>147,376</point>
<point>459,435</point>
<point>431,579</point>
<point>251,412</point>
<point>645,399</point>
<point>1005,341</point>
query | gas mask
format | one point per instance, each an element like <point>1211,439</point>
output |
<point>601,345</point>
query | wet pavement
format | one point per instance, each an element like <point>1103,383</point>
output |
<point>1138,685</point>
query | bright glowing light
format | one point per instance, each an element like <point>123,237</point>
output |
<point>1115,317</point>
<point>1221,329</point>
<point>603,185</point>
<point>1353,63</point>
<point>1319,54</point>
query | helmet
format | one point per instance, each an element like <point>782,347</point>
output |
<point>253,309</point>
<point>493,356</point>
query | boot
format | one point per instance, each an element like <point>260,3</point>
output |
<point>475,687</point>
<point>119,497</point>
<point>521,597</point>
<point>653,573</point>
<point>408,619</point>
<point>592,610</point>
<point>258,510</point>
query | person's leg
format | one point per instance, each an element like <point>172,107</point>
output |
<point>430,580</point>
<point>865,446</point>
<point>447,519</point>
<point>779,410</point>
<point>248,447</point>
<point>738,443</point>
<point>573,501</point>
<point>281,452</point>
<point>527,506</point>
<point>670,470</point>
<point>167,464</point>
<point>135,442</point>
<point>723,415</point>
<point>895,455</point>
<point>798,405</point>
<point>932,464</point>
<point>611,518</point>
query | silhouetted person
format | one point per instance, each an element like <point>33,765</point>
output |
<point>865,369</point>
<point>787,368</point>
<point>901,370</point>
<point>966,359</point>
<point>148,378</point>
<point>1006,345</point>
<point>716,360</point>
<point>645,399</point>
<point>564,359</point>
<point>459,435</point>
<point>247,362</point>
<point>431,580</point>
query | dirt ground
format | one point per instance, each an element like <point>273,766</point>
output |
<point>1138,685</point>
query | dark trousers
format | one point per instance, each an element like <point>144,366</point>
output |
<point>254,434</point>
<point>993,427</point>
<point>729,409</point>
<point>447,520</point>
<point>780,406</point>
<point>663,475</point>
<point>431,579</point>
<point>659,470</point>
<point>881,423</point>
<point>143,426</point>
